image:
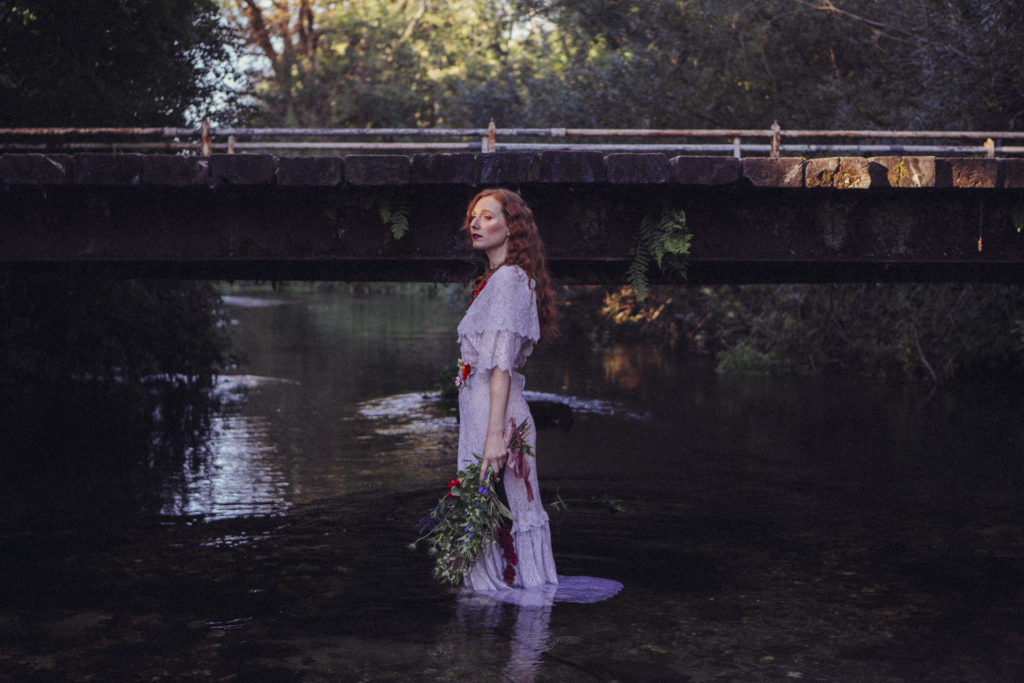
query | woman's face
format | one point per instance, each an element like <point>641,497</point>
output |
<point>488,228</point>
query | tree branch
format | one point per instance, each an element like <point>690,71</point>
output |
<point>413,23</point>
<point>260,35</point>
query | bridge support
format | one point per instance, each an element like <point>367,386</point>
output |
<point>753,220</point>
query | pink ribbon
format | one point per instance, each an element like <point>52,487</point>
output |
<point>516,459</point>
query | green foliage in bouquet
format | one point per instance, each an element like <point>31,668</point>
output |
<point>463,524</point>
<point>470,517</point>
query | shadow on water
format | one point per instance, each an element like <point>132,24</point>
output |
<point>815,528</point>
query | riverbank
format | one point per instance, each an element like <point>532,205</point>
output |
<point>743,577</point>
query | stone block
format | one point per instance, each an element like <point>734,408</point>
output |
<point>637,169</point>
<point>837,173</point>
<point>242,169</point>
<point>108,169</point>
<point>1011,173</point>
<point>781,172</point>
<point>705,170</point>
<point>377,169</point>
<point>310,171</point>
<point>450,169</point>
<point>508,168</point>
<point>175,170</point>
<point>35,169</point>
<point>896,171</point>
<point>571,167</point>
<point>966,173</point>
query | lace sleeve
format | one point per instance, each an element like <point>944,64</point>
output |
<point>500,349</point>
<point>501,324</point>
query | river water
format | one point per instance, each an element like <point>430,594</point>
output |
<point>818,528</point>
<point>339,395</point>
<point>828,528</point>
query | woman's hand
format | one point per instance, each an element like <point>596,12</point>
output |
<point>495,452</point>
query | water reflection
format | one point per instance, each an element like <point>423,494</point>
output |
<point>523,632</point>
<point>337,402</point>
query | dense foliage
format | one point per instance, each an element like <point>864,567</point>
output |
<point>113,62</point>
<point>96,374</point>
<point>651,63</point>
<point>928,332</point>
<point>58,328</point>
<point>104,386</point>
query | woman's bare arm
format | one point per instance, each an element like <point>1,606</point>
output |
<point>494,446</point>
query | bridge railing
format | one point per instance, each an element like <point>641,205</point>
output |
<point>773,141</point>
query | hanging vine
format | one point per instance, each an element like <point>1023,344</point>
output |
<point>665,240</point>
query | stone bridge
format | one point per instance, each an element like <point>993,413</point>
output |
<point>255,216</point>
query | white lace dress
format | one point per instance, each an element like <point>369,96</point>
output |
<point>499,331</point>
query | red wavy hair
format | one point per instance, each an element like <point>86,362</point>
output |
<point>525,250</point>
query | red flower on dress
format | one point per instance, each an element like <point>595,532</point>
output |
<point>463,373</point>
<point>479,288</point>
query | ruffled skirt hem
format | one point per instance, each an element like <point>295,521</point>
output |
<point>536,566</point>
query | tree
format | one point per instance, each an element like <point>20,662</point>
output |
<point>377,63</point>
<point>86,362</point>
<point>114,63</point>
<point>648,63</point>
<point>807,63</point>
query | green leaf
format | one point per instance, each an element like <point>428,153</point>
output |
<point>666,235</point>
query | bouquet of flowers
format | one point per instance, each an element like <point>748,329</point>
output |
<point>469,517</point>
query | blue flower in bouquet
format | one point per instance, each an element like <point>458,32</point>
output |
<point>468,519</point>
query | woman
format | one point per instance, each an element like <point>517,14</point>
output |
<point>513,308</point>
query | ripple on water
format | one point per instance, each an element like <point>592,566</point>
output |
<point>408,414</point>
<point>588,406</point>
<point>252,301</point>
<point>260,461</point>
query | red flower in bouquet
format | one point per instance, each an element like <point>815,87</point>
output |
<point>470,517</point>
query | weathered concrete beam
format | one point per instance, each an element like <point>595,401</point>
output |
<point>35,169</point>
<point>838,173</point>
<point>509,168</point>
<point>243,169</point>
<point>310,171</point>
<point>572,167</point>
<point>637,169</point>
<point>319,217</point>
<point>783,172</point>
<point>902,172</point>
<point>107,169</point>
<point>174,170</point>
<point>377,169</point>
<point>443,169</point>
<point>967,173</point>
<point>705,170</point>
<point>1011,173</point>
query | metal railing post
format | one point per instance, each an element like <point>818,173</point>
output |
<point>736,151</point>
<point>990,148</point>
<point>487,144</point>
<point>206,147</point>
<point>776,139</point>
